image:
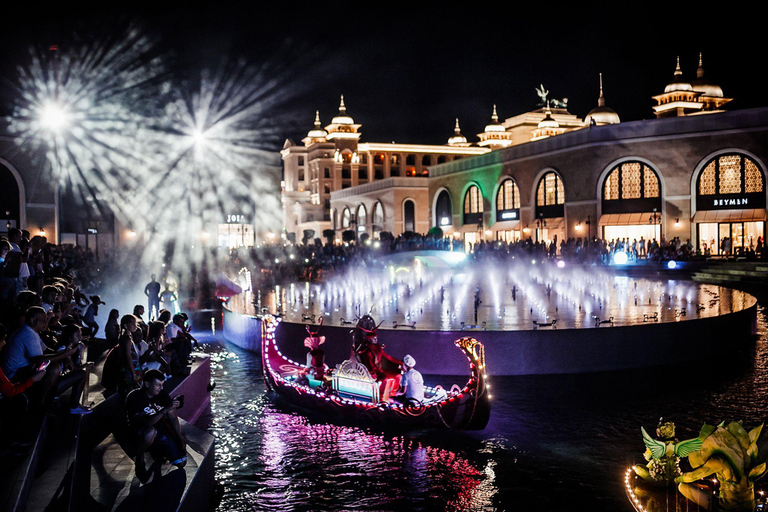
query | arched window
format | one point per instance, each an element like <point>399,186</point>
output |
<point>378,215</point>
<point>409,215</point>
<point>550,191</point>
<point>508,201</point>
<point>361,216</point>
<point>631,187</point>
<point>443,209</point>
<point>473,206</point>
<point>333,218</point>
<point>345,219</point>
<point>550,196</point>
<point>731,174</point>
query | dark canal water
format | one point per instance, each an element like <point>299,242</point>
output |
<point>553,442</point>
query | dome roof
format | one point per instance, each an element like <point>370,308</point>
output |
<point>342,117</point>
<point>317,132</point>
<point>704,86</point>
<point>677,83</point>
<point>457,138</point>
<point>495,125</point>
<point>602,114</point>
<point>548,122</point>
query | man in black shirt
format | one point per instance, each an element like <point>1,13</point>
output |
<point>152,418</point>
<point>152,291</point>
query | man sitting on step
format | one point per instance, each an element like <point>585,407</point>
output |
<point>153,421</point>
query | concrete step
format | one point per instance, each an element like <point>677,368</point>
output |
<point>113,483</point>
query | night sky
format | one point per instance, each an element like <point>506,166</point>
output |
<point>407,73</point>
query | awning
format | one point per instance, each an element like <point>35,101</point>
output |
<point>469,228</point>
<point>553,223</point>
<point>625,219</point>
<point>505,225</point>
<point>730,215</point>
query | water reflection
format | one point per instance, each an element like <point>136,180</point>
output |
<point>553,443</point>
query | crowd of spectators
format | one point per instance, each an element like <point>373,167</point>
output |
<point>42,329</point>
<point>315,261</point>
<point>50,336</point>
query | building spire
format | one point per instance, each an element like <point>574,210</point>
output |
<point>317,119</point>
<point>342,107</point>
<point>601,99</point>
<point>700,71</point>
<point>495,116</point>
<point>678,71</point>
<point>457,130</point>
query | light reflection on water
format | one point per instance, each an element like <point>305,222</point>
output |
<point>553,442</point>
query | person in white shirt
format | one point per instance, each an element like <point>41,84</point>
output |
<point>412,383</point>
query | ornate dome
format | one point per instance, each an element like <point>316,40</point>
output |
<point>704,86</point>
<point>317,132</point>
<point>602,114</point>
<point>342,117</point>
<point>677,83</point>
<point>548,122</point>
<point>495,125</point>
<point>457,138</point>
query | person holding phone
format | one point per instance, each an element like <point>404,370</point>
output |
<point>25,353</point>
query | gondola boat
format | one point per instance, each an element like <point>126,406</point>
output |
<point>351,395</point>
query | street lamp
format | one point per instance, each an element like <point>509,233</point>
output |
<point>655,220</point>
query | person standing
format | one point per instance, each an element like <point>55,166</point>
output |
<point>152,291</point>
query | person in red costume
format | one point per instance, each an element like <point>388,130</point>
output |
<point>382,366</point>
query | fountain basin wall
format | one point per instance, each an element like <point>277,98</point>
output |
<point>527,352</point>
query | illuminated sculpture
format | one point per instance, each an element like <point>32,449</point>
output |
<point>664,455</point>
<point>736,457</point>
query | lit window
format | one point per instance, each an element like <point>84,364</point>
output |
<point>551,191</point>
<point>473,200</point>
<point>731,174</point>
<point>508,197</point>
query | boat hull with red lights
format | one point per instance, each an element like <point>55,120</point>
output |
<point>460,408</point>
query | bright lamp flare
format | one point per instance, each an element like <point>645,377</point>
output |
<point>620,258</point>
<point>53,117</point>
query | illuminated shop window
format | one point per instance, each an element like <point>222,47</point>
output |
<point>631,180</point>
<point>508,197</point>
<point>550,191</point>
<point>731,174</point>
<point>473,200</point>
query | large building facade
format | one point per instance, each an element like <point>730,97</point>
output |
<point>686,175</point>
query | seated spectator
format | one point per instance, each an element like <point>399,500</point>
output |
<point>153,421</point>
<point>25,354</point>
<point>141,332</point>
<point>49,295</point>
<point>181,342</point>
<point>7,388</point>
<point>129,356</point>
<point>157,354</point>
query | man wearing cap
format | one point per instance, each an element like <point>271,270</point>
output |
<point>412,381</point>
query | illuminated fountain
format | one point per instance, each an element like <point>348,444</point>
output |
<point>557,318</point>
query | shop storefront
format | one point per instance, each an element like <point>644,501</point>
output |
<point>235,233</point>
<point>506,227</point>
<point>549,224</point>
<point>631,204</point>
<point>730,206</point>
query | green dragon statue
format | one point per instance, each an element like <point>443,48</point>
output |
<point>664,455</point>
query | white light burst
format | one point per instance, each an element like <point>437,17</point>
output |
<point>173,159</point>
